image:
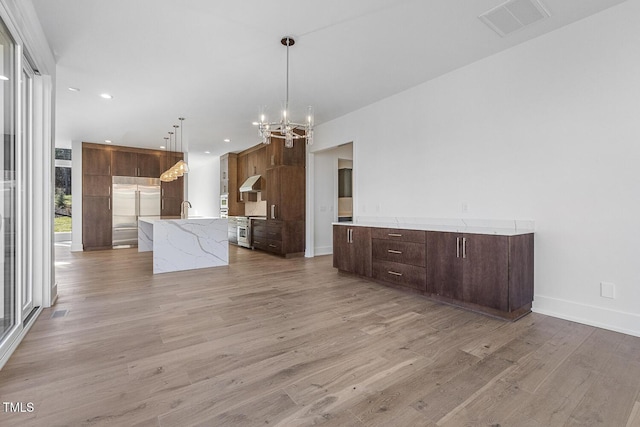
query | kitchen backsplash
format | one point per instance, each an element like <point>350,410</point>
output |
<point>258,208</point>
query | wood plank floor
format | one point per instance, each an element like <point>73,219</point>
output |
<point>268,341</point>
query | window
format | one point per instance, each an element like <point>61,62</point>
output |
<point>8,201</point>
<point>62,195</point>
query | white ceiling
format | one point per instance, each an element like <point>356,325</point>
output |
<point>216,62</point>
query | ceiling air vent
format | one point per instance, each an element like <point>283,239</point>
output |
<point>514,15</point>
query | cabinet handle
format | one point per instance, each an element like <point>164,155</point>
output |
<point>457,247</point>
<point>395,273</point>
<point>109,169</point>
<point>272,246</point>
<point>392,251</point>
<point>109,191</point>
<point>273,211</point>
<point>109,200</point>
<point>162,207</point>
<point>464,247</point>
<point>395,235</point>
<point>255,242</point>
<point>162,192</point>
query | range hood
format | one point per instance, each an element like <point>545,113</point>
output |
<point>251,185</point>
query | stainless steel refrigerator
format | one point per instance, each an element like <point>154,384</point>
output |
<point>132,198</point>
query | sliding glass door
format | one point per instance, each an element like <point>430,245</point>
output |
<point>26,187</point>
<point>8,201</point>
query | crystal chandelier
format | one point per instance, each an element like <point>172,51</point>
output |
<point>285,128</point>
<point>180,167</point>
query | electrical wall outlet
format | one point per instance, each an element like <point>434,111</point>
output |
<point>607,290</point>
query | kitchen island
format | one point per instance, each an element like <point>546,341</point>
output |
<point>184,244</point>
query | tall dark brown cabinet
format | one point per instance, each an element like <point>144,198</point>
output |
<point>285,195</point>
<point>96,197</point>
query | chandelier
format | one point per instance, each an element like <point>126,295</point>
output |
<point>285,128</point>
<point>180,167</point>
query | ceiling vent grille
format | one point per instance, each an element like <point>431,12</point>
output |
<point>514,15</point>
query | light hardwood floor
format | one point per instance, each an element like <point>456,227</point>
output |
<point>268,341</point>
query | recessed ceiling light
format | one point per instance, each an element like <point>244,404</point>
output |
<point>106,96</point>
<point>255,123</point>
<point>74,89</point>
<point>163,147</point>
<point>207,152</point>
<point>108,141</point>
<point>227,140</point>
<point>4,77</point>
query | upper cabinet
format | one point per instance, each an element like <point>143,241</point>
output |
<point>149,165</point>
<point>96,161</point>
<point>257,162</point>
<point>278,155</point>
<point>129,163</point>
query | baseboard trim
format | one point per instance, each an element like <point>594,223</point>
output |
<point>613,320</point>
<point>323,250</point>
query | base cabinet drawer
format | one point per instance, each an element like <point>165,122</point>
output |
<point>404,252</point>
<point>260,243</point>
<point>417,236</point>
<point>274,246</point>
<point>400,274</point>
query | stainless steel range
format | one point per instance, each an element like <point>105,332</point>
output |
<point>244,231</point>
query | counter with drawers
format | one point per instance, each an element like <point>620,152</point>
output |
<point>491,273</point>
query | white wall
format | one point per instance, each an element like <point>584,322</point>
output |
<point>547,131</point>
<point>203,184</point>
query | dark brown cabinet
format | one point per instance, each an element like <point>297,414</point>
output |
<point>485,278</point>
<point>286,193</point>
<point>130,163</point>
<point>399,257</point>
<point>96,161</point>
<point>483,272</point>
<point>352,250</point>
<point>492,272</point>
<point>285,196</point>
<point>149,165</point>
<point>96,197</point>
<point>278,155</point>
<point>257,161</point>
<point>96,223</point>
<point>241,173</point>
<point>96,185</point>
<point>259,238</point>
<point>444,275</point>
<point>171,196</point>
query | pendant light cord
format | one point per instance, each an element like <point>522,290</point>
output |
<point>286,104</point>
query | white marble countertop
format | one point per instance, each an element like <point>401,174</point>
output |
<point>184,244</point>
<point>152,219</point>
<point>472,226</point>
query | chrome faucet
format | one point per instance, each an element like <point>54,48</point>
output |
<point>184,209</point>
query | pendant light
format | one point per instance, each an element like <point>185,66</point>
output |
<point>285,128</point>
<point>164,177</point>
<point>176,166</point>
<point>182,166</point>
